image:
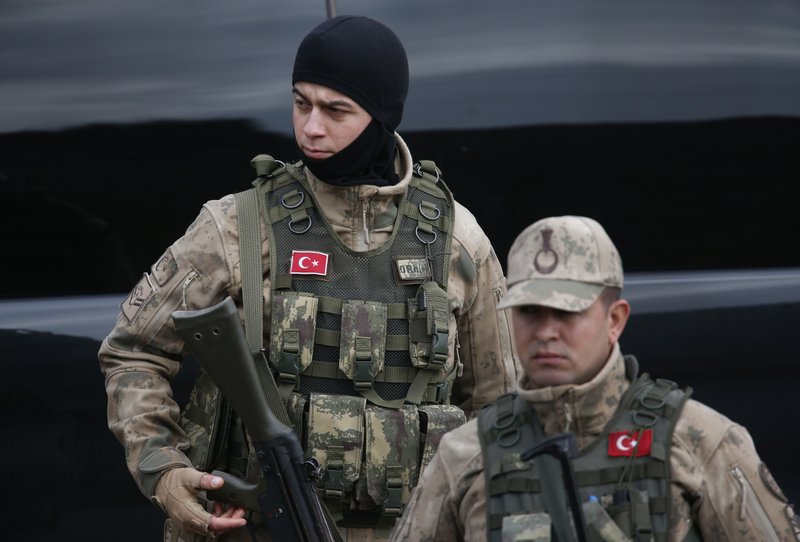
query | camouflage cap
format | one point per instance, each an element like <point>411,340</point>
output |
<point>563,262</point>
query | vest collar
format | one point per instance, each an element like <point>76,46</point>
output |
<point>584,409</point>
<point>402,166</point>
<point>364,215</point>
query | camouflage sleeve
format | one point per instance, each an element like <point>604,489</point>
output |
<point>448,502</point>
<point>484,344</point>
<point>143,353</point>
<point>721,484</point>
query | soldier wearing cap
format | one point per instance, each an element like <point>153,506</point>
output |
<point>375,290</point>
<point>648,462</point>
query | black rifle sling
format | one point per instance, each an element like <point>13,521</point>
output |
<point>553,491</point>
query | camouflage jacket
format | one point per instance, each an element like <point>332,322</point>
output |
<point>713,461</point>
<point>143,352</point>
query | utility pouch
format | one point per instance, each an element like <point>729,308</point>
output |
<point>296,409</point>
<point>362,345</point>
<point>434,422</point>
<point>294,320</point>
<point>429,317</point>
<point>335,439</point>
<point>631,512</point>
<point>600,523</point>
<point>392,453</point>
<point>526,528</point>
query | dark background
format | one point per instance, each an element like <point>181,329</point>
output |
<point>101,203</point>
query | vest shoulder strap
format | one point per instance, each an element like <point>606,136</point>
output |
<point>248,205</point>
<point>248,209</point>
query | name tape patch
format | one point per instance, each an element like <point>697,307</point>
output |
<point>413,268</point>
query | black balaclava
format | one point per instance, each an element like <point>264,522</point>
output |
<point>364,60</point>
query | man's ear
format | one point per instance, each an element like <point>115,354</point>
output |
<point>618,314</point>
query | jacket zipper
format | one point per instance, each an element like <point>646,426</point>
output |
<point>750,504</point>
<point>568,412</point>
<point>364,223</point>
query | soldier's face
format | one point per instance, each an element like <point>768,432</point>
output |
<point>325,121</point>
<point>557,347</point>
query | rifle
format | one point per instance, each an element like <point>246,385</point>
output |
<point>563,447</point>
<point>285,495</point>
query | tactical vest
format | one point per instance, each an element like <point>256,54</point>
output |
<point>633,490</point>
<point>359,349</point>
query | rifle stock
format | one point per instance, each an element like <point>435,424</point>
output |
<point>285,495</point>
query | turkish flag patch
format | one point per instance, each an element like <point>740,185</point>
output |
<point>623,443</point>
<point>309,262</point>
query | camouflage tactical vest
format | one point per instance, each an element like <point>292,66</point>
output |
<point>632,486</point>
<point>358,346</point>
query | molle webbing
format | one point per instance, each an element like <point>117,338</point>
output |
<point>514,487</point>
<point>361,330</point>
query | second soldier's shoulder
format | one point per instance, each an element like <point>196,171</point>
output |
<point>700,428</point>
<point>463,440</point>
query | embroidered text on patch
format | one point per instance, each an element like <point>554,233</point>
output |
<point>413,268</point>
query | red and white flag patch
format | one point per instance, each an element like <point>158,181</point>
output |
<point>623,443</point>
<point>308,262</point>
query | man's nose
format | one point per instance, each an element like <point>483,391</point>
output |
<point>314,126</point>
<point>547,326</point>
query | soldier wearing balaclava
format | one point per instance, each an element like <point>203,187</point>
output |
<point>375,293</point>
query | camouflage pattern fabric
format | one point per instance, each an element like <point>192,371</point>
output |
<point>336,433</point>
<point>143,353</point>
<point>362,323</point>
<point>393,444</point>
<point>440,419</point>
<point>527,528</point>
<point>563,262</point>
<point>299,312</point>
<point>719,483</point>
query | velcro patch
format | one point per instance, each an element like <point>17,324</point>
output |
<point>413,269</point>
<point>308,262</point>
<point>625,443</point>
<point>137,299</point>
<point>165,268</point>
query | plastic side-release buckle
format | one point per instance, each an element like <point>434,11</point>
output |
<point>289,364</point>
<point>334,473</point>
<point>363,362</point>
<point>393,503</point>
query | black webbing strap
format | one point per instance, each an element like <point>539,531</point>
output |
<point>554,493</point>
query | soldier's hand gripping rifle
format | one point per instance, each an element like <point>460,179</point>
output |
<point>285,495</point>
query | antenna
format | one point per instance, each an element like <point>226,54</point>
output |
<point>330,6</point>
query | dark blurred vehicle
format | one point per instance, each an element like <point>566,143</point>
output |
<point>675,125</point>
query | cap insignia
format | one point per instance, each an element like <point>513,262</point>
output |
<point>547,253</point>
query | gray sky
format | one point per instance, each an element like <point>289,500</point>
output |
<point>501,62</point>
